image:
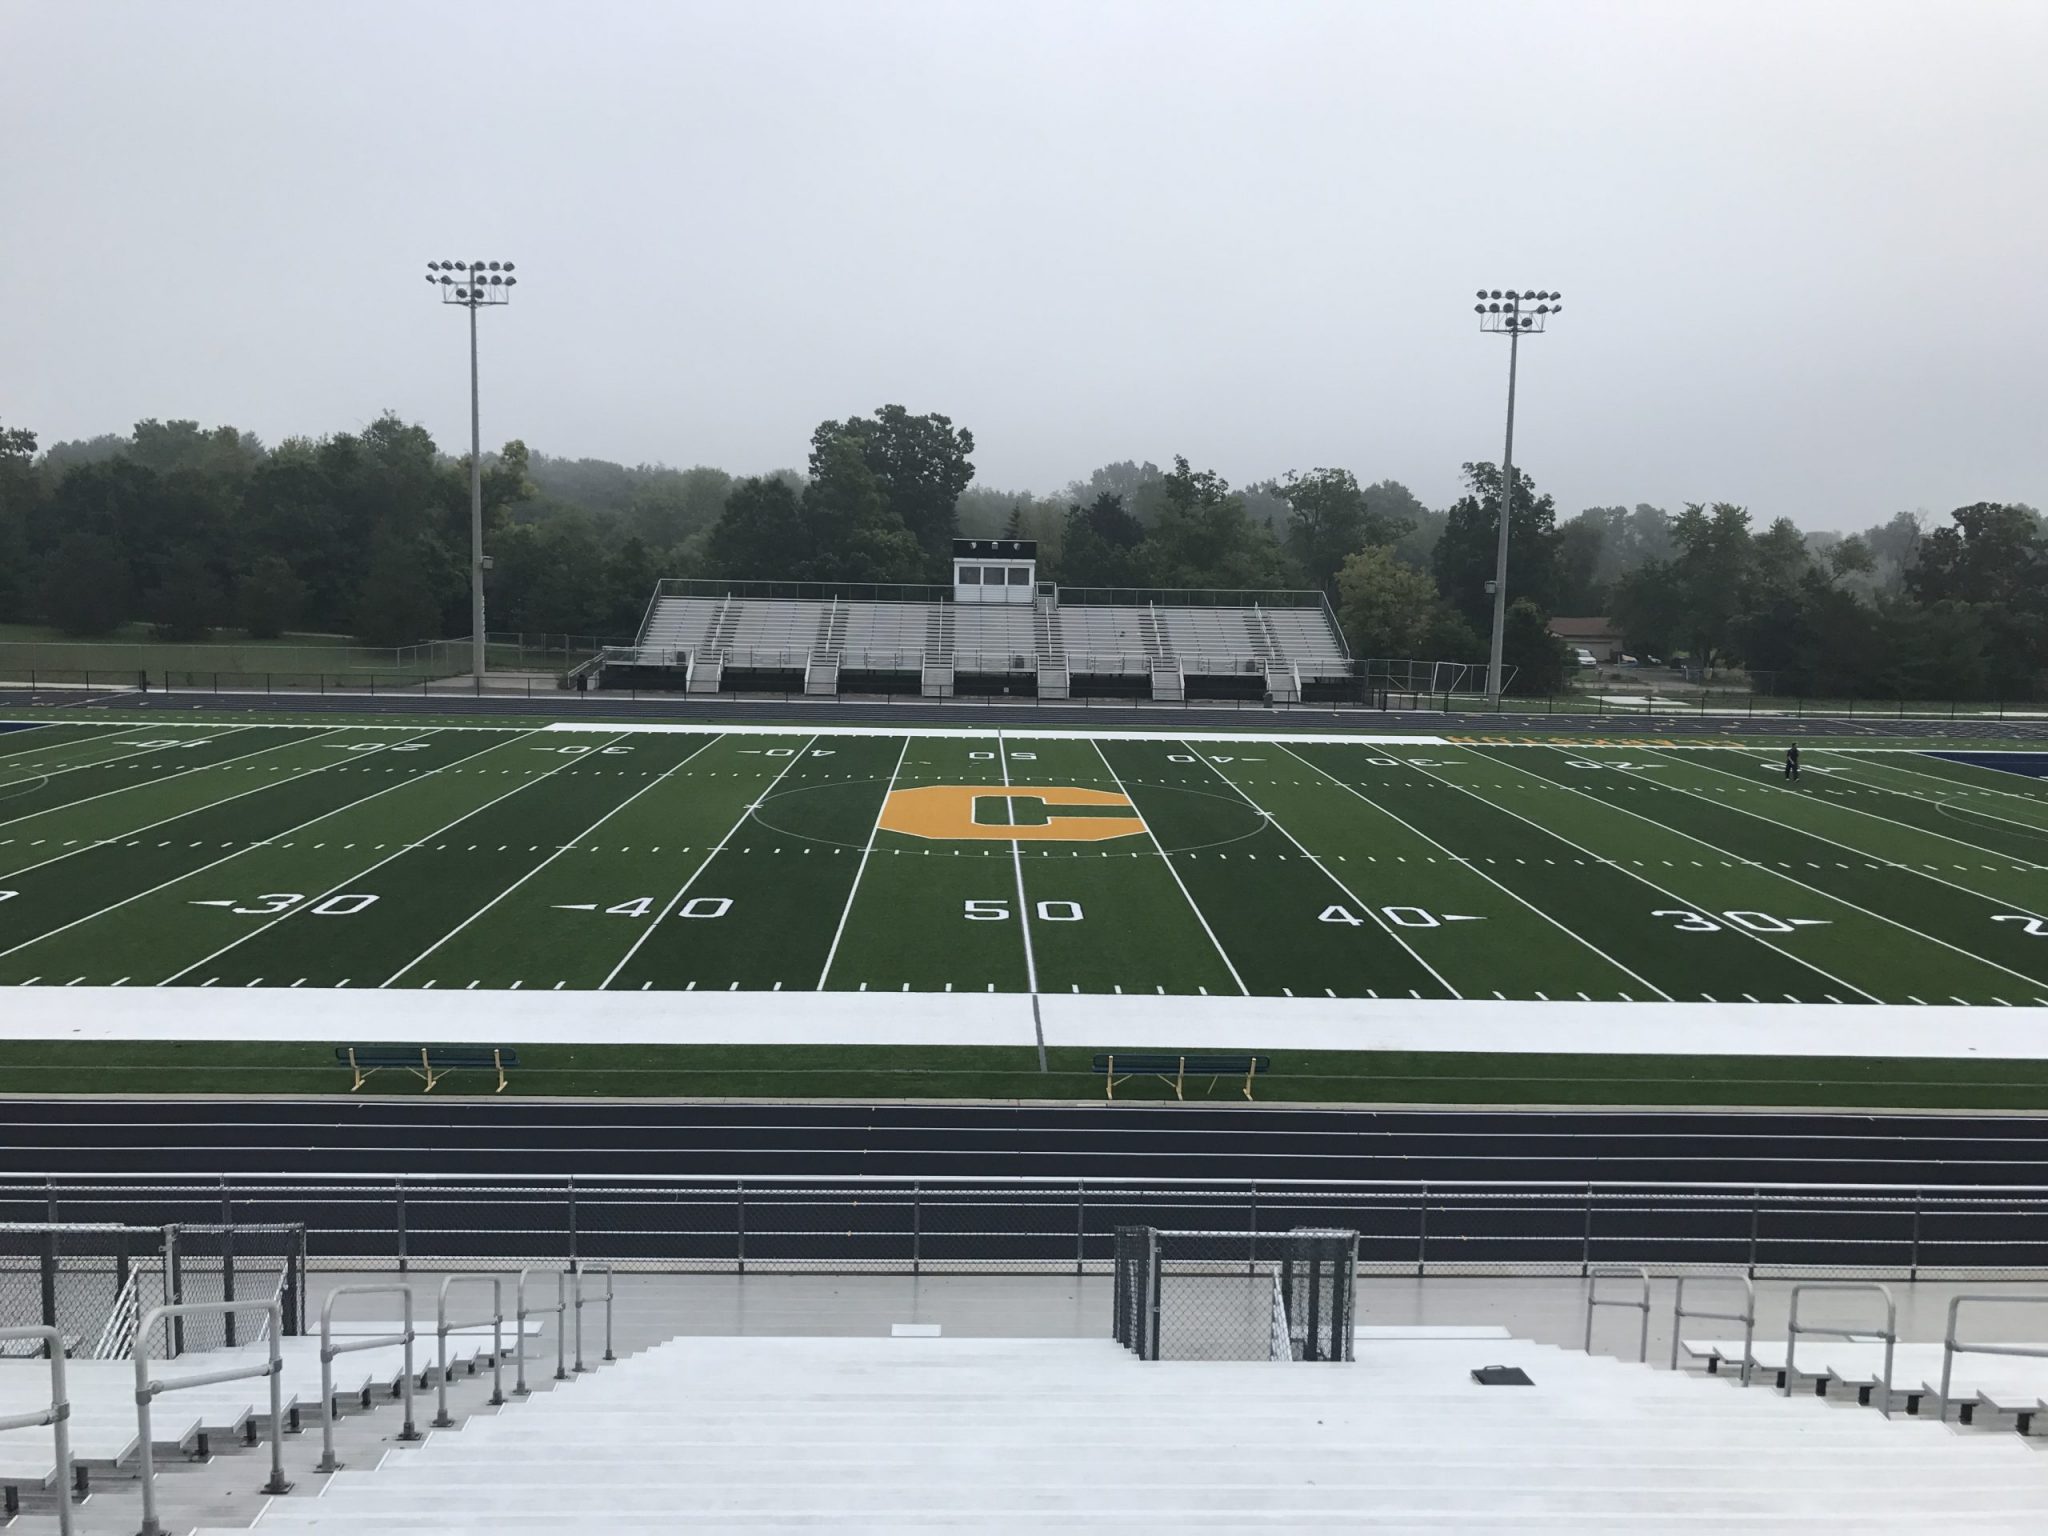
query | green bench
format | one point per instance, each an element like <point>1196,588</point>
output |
<point>430,1062</point>
<point>1175,1069</point>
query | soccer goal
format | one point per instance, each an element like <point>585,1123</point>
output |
<point>1407,683</point>
<point>1282,1296</point>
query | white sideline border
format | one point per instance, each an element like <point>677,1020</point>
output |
<point>342,1016</point>
<point>1470,736</point>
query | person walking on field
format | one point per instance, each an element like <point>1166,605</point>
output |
<point>1792,763</point>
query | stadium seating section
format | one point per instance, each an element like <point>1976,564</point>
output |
<point>744,637</point>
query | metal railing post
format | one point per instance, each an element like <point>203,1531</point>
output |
<point>606,1271</point>
<point>1746,1317</point>
<point>57,1415</point>
<point>1951,1346</point>
<point>441,1330</point>
<point>1913,1253</point>
<point>1080,1226</point>
<point>519,1316</point>
<point>916,1228</point>
<point>147,1390</point>
<point>1595,1299</point>
<point>1422,1235</point>
<point>1890,1334</point>
<point>329,1411</point>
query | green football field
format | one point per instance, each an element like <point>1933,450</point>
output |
<point>402,856</point>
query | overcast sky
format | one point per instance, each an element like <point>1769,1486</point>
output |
<point>1803,246</point>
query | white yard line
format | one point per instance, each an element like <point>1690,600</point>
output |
<point>1862,853</point>
<point>865,853</point>
<point>1372,911</point>
<point>87,846</point>
<point>1664,891</point>
<point>704,864</point>
<point>1792,879</point>
<point>1482,874</point>
<point>1953,786</point>
<point>337,889</point>
<point>1874,786</point>
<point>118,757</point>
<point>29,746</point>
<point>1017,859</point>
<point>182,773</point>
<point>659,778</point>
<point>1167,862</point>
<point>225,858</point>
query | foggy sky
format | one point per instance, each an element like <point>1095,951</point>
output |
<point>1802,244</point>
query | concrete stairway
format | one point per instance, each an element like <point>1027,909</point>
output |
<point>1015,1435</point>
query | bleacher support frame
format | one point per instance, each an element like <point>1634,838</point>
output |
<point>56,1413</point>
<point>1951,1346</point>
<point>147,1390</point>
<point>329,1409</point>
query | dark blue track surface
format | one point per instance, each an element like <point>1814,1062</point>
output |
<point>285,1137</point>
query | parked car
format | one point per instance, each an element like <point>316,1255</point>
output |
<point>1585,657</point>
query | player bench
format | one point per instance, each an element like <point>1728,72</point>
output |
<point>1175,1070</point>
<point>430,1062</point>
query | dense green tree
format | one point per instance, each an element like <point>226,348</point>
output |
<point>854,520</point>
<point>1463,560</point>
<point>186,602</point>
<point>1388,609</point>
<point>270,596</point>
<point>1538,658</point>
<point>919,466</point>
<point>1102,545</point>
<point>86,584</point>
<point>1993,553</point>
<point>1330,516</point>
<point>763,534</point>
<point>1202,537</point>
<point>398,603</point>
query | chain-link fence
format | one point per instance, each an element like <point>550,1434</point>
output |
<point>95,1281</point>
<point>1068,1227</point>
<point>1278,1296</point>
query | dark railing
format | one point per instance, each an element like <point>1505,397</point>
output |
<point>1068,1227</point>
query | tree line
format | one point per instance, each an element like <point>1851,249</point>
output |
<point>366,534</point>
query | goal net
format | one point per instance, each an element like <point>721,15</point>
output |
<point>1285,1296</point>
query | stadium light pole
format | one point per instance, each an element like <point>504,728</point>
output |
<point>1515,313</point>
<point>474,285</point>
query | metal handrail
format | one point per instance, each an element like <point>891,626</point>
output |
<point>519,1315</point>
<point>581,1271</point>
<point>441,1330</point>
<point>1595,1299</point>
<point>1951,1346</point>
<point>1890,1335</point>
<point>329,1349</point>
<point>148,1390</point>
<point>1746,1317</point>
<point>57,1415</point>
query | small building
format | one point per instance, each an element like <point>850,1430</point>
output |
<point>1597,636</point>
<point>995,570</point>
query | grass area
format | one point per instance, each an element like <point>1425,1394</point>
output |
<point>405,857</point>
<point>965,1072</point>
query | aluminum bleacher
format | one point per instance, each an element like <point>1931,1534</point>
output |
<point>1014,1435</point>
<point>733,637</point>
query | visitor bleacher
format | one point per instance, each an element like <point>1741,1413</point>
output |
<point>761,636</point>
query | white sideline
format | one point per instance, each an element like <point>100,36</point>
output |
<point>1132,1022</point>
